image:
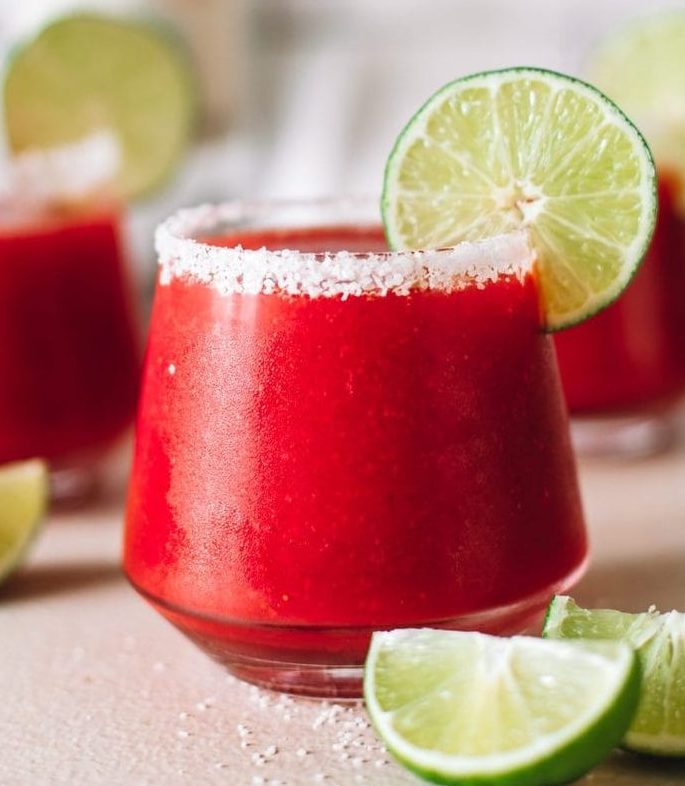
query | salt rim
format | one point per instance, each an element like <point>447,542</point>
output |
<point>235,270</point>
<point>64,173</point>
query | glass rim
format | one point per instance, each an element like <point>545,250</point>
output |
<point>62,174</point>
<point>185,252</point>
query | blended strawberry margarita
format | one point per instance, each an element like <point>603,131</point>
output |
<point>333,439</point>
<point>69,356</point>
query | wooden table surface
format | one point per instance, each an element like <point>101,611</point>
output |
<point>95,688</point>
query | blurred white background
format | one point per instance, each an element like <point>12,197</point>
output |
<point>305,97</point>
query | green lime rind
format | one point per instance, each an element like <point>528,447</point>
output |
<point>498,151</point>
<point>659,639</point>
<point>23,502</point>
<point>86,73</point>
<point>440,716</point>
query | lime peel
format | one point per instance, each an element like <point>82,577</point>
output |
<point>425,692</point>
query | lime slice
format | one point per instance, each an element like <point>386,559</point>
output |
<point>85,74</point>
<point>23,499</point>
<point>642,67</point>
<point>659,726</point>
<point>524,147</point>
<point>465,708</point>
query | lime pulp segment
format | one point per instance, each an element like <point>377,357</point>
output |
<point>23,498</point>
<point>466,708</point>
<point>659,725</point>
<point>85,74</point>
<point>528,148</point>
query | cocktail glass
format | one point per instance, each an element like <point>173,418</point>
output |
<point>69,343</point>
<point>335,439</point>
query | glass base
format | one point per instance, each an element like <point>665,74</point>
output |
<point>327,662</point>
<point>623,436</point>
<point>101,473</point>
<point>74,485</point>
<point>300,679</point>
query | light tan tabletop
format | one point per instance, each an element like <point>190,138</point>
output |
<point>95,688</point>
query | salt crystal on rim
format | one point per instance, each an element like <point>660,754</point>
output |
<point>236,270</point>
<point>65,173</point>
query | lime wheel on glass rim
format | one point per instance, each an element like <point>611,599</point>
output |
<point>528,148</point>
<point>88,73</point>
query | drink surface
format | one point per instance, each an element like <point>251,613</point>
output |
<point>374,460</point>
<point>69,357</point>
<point>631,357</point>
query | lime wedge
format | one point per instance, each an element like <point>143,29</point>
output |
<point>642,66</point>
<point>23,499</point>
<point>659,726</point>
<point>524,147</point>
<point>466,708</point>
<point>85,74</point>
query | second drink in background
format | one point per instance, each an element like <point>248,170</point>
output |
<point>69,343</point>
<point>624,369</point>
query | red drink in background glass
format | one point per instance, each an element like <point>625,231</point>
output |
<point>69,355</point>
<point>313,463</point>
<point>626,366</point>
